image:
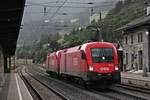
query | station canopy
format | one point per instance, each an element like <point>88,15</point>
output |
<point>11,13</point>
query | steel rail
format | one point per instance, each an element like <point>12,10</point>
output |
<point>50,88</point>
<point>28,84</point>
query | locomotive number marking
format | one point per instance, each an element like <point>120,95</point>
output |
<point>75,61</point>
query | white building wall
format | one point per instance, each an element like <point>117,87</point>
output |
<point>135,48</point>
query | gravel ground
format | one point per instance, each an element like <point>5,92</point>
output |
<point>83,94</point>
<point>133,93</point>
<point>68,90</point>
<point>44,92</point>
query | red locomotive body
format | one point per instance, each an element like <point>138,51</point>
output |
<point>58,55</point>
<point>47,62</point>
<point>52,64</point>
<point>91,61</point>
<point>71,62</point>
<point>95,61</point>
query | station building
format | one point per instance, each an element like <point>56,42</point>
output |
<point>136,45</point>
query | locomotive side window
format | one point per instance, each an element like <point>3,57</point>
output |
<point>83,55</point>
<point>102,55</point>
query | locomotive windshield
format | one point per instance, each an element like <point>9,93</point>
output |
<point>102,55</point>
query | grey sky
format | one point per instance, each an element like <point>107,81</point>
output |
<point>35,13</point>
<point>34,18</point>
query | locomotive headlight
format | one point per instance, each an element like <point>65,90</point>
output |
<point>116,68</point>
<point>91,68</point>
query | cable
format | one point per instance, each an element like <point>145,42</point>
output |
<point>73,6</point>
<point>58,9</point>
<point>68,2</point>
<point>89,4</point>
<point>32,12</point>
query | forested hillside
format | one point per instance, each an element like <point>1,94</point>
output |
<point>123,13</point>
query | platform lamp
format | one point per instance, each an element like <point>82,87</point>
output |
<point>148,39</point>
<point>145,65</point>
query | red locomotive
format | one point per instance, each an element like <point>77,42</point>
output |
<point>94,62</point>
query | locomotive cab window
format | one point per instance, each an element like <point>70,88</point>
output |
<point>102,55</point>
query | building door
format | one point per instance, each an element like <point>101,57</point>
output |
<point>140,60</point>
<point>120,54</point>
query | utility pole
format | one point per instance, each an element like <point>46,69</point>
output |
<point>147,65</point>
<point>100,30</point>
<point>92,11</point>
<point>45,11</point>
<point>100,16</point>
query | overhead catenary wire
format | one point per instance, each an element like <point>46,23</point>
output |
<point>46,5</point>
<point>69,7</point>
<point>58,9</point>
<point>88,4</point>
<point>62,5</point>
<point>59,2</point>
<point>56,2</point>
<point>54,13</point>
<point>74,6</point>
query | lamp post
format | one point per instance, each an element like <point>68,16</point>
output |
<point>148,43</point>
<point>146,64</point>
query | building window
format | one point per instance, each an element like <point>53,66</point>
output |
<point>140,37</point>
<point>131,39</point>
<point>126,40</point>
<point>126,58</point>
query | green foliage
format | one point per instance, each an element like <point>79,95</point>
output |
<point>39,50</point>
<point>77,37</point>
<point>123,13</point>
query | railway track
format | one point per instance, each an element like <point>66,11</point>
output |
<point>123,95</point>
<point>137,92</point>
<point>79,89</point>
<point>33,91</point>
<point>116,94</point>
<point>39,90</point>
<point>111,94</point>
<point>132,87</point>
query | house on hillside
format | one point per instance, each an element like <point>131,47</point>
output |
<point>136,44</point>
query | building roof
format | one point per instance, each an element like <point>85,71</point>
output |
<point>144,20</point>
<point>11,12</point>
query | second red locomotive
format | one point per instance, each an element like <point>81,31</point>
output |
<point>95,62</point>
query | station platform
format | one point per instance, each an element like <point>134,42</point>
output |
<point>12,87</point>
<point>136,79</point>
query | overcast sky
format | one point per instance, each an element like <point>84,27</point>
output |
<point>35,13</point>
<point>34,18</point>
